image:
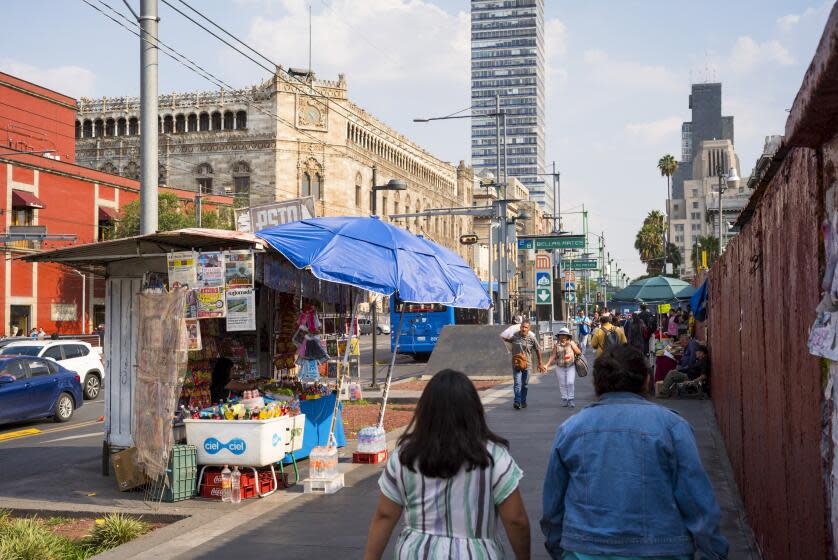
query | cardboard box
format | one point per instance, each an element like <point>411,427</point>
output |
<point>128,474</point>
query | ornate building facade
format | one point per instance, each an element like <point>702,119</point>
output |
<point>287,137</point>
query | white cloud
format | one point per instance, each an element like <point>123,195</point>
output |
<point>747,54</point>
<point>74,81</point>
<point>628,75</point>
<point>662,131</point>
<point>788,21</point>
<point>555,38</point>
<point>377,41</point>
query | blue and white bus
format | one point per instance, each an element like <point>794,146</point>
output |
<point>423,323</point>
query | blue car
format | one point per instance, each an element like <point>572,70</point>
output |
<point>37,388</point>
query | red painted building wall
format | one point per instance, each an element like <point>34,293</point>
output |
<point>66,198</point>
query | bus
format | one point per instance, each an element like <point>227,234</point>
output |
<point>423,323</point>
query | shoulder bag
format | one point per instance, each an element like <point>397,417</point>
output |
<point>581,366</point>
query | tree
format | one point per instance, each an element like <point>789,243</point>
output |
<point>650,242</point>
<point>667,166</point>
<point>173,213</point>
<point>708,244</point>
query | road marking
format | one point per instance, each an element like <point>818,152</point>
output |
<point>35,431</point>
<point>68,438</point>
<point>19,434</point>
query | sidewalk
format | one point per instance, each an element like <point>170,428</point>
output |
<point>308,526</point>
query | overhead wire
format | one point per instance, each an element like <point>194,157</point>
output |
<point>290,79</point>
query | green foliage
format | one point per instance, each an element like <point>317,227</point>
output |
<point>667,165</point>
<point>173,213</point>
<point>30,539</point>
<point>649,242</point>
<point>707,243</point>
<point>114,530</point>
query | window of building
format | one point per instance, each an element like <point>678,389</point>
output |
<point>121,127</point>
<point>695,215</point>
<point>216,121</point>
<point>358,196</point>
<point>23,216</point>
<point>203,122</point>
<point>229,120</point>
<point>99,128</point>
<point>695,204</point>
<point>383,206</point>
<point>679,227</point>
<point>696,227</point>
<point>204,179</point>
<point>168,124</point>
<point>241,179</point>
<point>180,124</point>
<point>110,127</point>
<point>695,193</point>
<point>87,129</point>
<point>133,126</point>
<point>310,185</point>
<point>107,223</point>
<point>241,120</point>
<point>192,123</point>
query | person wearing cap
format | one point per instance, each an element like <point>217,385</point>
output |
<point>564,355</point>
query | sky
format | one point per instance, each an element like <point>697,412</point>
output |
<point>618,75</point>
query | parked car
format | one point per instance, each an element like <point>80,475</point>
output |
<point>32,387</point>
<point>74,355</point>
<point>365,326</point>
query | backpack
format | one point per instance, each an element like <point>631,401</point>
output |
<point>611,338</point>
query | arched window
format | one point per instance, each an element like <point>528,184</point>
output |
<point>311,179</point>
<point>305,184</point>
<point>168,124</point>
<point>121,127</point>
<point>192,123</point>
<point>180,124</point>
<point>204,178</point>
<point>162,175</point>
<point>110,127</point>
<point>87,128</point>
<point>229,120</point>
<point>99,128</point>
<point>203,122</point>
<point>78,129</point>
<point>159,125</point>
<point>216,121</point>
<point>132,170</point>
<point>133,126</point>
<point>241,179</point>
<point>241,120</point>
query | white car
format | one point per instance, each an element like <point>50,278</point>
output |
<point>74,355</point>
<point>365,326</point>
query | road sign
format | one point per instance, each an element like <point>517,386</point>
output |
<point>543,262</point>
<point>569,276</point>
<point>552,242</point>
<point>543,288</point>
<point>570,297</point>
<point>570,286</point>
<point>580,264</point>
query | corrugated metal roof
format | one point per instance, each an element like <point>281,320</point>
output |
<point>153,244</point>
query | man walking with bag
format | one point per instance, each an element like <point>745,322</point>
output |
<point>523,343</point>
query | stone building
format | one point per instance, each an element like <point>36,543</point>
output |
<point>289,136</point>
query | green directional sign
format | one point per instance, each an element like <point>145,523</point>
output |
<point>543,296</point>
<point>580,264</point>
<point>552,242</point>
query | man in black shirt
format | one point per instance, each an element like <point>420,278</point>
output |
<point>698,371</point>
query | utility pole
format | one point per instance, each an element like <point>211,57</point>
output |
<point>499,260</point>
<point>199,207</point>
<point>374,305</point>
<point>557,227</point>
<point>148,116</point>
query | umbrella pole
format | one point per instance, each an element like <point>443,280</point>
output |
<point>390,371</point>
<point>344,368</point>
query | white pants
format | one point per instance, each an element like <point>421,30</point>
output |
<point>567,381</point>
<point>583,342</point>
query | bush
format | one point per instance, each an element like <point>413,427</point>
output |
<point>29,539</point>
<point>114,530</point>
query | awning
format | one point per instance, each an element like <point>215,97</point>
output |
<point>26,200</point>
<point>107,214</point>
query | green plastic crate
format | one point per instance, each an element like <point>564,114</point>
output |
<point>181,474</point>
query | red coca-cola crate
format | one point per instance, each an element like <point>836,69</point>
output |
<point>211,485</point>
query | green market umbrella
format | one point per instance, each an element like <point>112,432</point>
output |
<point>658,289</point>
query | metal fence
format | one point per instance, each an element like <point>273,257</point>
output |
<point>767,389</point>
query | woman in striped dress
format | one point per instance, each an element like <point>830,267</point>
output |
<point>452,478</point>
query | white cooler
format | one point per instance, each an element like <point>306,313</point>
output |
<point>255,443</point>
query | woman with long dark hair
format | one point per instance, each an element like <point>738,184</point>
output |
<point>625,479</point>
<point>452,478</point>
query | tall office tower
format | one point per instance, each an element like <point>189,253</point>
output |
<point>507,62</point>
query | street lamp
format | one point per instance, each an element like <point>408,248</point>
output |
<point>392,185</point>
<point>523,215</point>
<point>732,180</point>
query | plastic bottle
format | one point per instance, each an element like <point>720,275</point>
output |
<point>236,486</point>
<point>226,485</point>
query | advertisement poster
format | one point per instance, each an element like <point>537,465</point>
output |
<point>182,270</point>
<point>241,310</point>
<point>191,305</point>
<point>193,332</point>
<point>210,303</point>
<point>210,270</point>
<point>238,269</point>
<point>273,214</point>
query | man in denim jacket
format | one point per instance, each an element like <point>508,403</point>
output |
<point>625,479</point>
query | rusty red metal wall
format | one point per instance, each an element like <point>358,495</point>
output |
<point>766,387</point>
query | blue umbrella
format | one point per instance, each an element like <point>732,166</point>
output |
<point>379,257</point>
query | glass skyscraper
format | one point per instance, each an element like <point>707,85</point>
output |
<point>507,61</point>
